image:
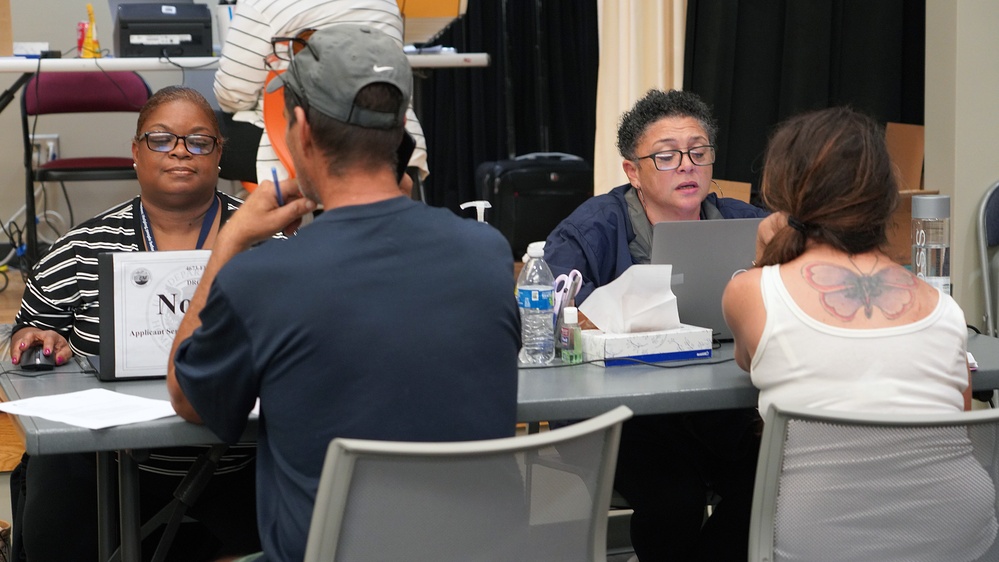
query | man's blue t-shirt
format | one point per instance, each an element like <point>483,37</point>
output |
<point>392,320</point>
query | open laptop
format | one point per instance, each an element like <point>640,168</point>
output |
<point>704,255</point>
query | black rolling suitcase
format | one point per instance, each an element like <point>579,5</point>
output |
<point>532,193</point>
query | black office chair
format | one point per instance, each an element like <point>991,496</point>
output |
<point>75,92</point>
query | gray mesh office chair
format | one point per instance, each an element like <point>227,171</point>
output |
<point>849,487</point>
<point>988,237</point>
<point>498,499</point>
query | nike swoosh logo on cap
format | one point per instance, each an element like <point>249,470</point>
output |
<point>377,68</point>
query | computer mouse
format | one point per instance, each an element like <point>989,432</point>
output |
<point>32,359</point>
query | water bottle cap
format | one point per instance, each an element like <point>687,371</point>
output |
<point>571,316</point>
<point>536,249</point>
<point>931,207</point>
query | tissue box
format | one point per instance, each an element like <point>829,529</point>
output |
<point>685,342</point>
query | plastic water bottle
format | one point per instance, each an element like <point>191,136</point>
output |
<point>536,298</point>
<point>931,240</point>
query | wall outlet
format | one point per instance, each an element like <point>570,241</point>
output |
<point>44,148</point>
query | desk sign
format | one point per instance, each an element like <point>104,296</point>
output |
<point>143,297</point>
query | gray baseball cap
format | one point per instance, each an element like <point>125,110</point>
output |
<point>347,58</point>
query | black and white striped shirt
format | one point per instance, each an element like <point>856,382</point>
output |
<point>61,294</point>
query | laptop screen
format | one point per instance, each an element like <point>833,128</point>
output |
<point>704,255</point>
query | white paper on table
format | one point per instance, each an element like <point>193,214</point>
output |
<point>96,408</point>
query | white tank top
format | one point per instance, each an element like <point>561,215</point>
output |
<point>828,471</point>
<point>917,367</point>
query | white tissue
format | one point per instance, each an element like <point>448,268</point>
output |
<point>640,300</point>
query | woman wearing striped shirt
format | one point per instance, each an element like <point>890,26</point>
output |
<point>176,150</point>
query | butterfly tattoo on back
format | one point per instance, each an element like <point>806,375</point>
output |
<point>844,291</point>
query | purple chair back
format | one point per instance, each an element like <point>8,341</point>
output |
<point>85,92</point>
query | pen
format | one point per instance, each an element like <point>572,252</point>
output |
<point>277,187</point>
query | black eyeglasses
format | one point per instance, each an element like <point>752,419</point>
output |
<point>671,159</point>
<point>285,48</point>
<point>162,141</point>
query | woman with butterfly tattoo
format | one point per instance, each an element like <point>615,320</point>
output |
<point>828,320</point>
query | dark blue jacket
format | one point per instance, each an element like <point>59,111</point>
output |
<point>594,238</point>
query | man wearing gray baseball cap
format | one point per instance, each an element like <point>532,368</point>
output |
<point>384,318</point>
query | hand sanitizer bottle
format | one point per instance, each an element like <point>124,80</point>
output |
<point>570,340</point>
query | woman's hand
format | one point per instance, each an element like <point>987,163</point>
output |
<point>53,344</point>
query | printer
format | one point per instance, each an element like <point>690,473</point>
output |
<point>163,30</point>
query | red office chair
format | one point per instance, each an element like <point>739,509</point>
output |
<point>76,92</point>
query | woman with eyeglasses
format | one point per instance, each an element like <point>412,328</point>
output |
<point>176,149</point>
<point>667,464</point>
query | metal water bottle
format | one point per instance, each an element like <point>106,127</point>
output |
<point>931,240</point>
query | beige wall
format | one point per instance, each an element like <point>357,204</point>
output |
<point>962,116</point>
<point>55,21</point>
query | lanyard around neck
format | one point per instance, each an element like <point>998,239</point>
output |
<point>206,225</point>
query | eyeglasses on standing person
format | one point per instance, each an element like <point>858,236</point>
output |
<point>284,49</point>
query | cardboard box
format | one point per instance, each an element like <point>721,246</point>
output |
<point>6,30</point>
<point>685,342</point>
<point>425,19</point>
<point>906,147</point>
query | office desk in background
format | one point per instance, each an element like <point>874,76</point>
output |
<point>574,392</point>
<point>23,65</point>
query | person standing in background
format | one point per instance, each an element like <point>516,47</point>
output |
<point>242,73</point>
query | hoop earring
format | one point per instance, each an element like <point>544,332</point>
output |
<point>718,187</point>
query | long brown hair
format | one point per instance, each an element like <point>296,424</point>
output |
<point>829,170</point>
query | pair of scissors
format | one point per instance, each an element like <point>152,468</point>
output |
<point>567,287</point>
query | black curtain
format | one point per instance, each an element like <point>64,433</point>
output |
<point>758,62</point>
<point>538,94</point>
